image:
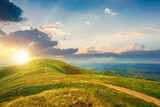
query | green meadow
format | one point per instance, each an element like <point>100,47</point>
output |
<point>48,83</point>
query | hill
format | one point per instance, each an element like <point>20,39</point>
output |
<point>48,82</point>
<point>43,66</point>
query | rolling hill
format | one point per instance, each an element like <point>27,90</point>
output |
<point>41,66</point>
<point>48,82</point>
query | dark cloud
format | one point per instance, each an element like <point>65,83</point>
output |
<point>10,12</point>
<point>135,53</point>
<point>142,53</point>
<point>58,52</point>
<point>137,56</point>
<point>1,32</point>
<point>33,39</point>
<point>38,42</point>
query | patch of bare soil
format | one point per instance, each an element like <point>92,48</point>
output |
<point>71,70</point>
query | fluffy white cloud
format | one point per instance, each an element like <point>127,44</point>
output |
<point>101,49</point>
<point>55,29</point>
<point>133,47</point>
<point>57,25</point>
<point>88,50</point>
<point>96,49</point>
<point>107,10</point>
<point>113,13</point>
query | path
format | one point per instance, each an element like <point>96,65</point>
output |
<point>45,64</point>
<point>134,93</point>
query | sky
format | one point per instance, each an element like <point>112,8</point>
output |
<point>116,31</point>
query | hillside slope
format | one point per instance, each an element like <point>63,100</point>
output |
<point>48,82</point>
<point>41,66</point>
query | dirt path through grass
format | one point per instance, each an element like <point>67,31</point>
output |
<point>134,93</point>
<point>45,64</point>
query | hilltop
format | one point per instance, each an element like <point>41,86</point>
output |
<point>41,66</point>
<point>48,82</point>
<point>46,66</point>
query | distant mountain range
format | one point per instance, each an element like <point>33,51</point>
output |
<point>139,71</point>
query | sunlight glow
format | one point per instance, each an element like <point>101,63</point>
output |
<point>21,57</point>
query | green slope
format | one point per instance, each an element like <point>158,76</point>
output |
<point>41,66</point>
<point>45,66</point>
<point>48,82</point>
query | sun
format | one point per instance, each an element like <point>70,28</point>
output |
<point>21,57</point>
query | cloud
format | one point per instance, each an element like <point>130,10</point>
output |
<point>34,40</point>
<point>143,53</point>
<point>10,12</point>
<point>130,34</point>
<point>24,38</point>
<point>113,13</point>
<point>58,52</point>
<point>96,49</point>
<point>55,29</point>
<point>88,50</point>
<point>87,22</point>
<point>108,11</point>
<point>133,47</point>
<point>103,49</point>
<point>57,25</point>
<point>1,33</point>
<point>154,29</point>
<point>135,53</point>
<point>139,56</point>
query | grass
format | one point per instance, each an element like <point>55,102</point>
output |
<point>34,84</point>
<point>85,94</point>
<point>144,86</point>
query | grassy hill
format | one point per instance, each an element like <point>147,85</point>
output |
<point>48,82</point>
<point>41,66</point>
